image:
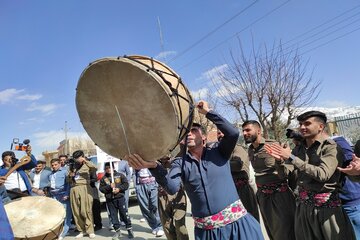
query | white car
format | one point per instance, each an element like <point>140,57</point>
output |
<point>100,174</point>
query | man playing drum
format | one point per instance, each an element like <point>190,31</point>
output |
<point>205,173</point>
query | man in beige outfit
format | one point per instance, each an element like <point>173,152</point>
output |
<point>81,194</point>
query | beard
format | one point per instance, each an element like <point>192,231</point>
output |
<point>250,139</point>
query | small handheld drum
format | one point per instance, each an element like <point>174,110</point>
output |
<point>36,218</point>
<point>134,104</point>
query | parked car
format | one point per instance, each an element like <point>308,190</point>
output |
<point>100,173</point>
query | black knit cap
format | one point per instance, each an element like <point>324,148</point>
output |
<point>309,114</point>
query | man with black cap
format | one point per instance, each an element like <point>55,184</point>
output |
<point>81,195</point>
<point>319,214</point>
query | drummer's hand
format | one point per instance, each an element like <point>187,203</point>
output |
<point>40,192</point>
<point>203,107</point>
<point>28,150</point>
<point>137,162</point>
<point>112,185</point>
<point>165,161</point>
<point>2,180</point>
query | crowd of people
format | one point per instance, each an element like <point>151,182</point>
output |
<point>308,189</point>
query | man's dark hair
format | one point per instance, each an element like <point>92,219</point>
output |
<point>201,127</point>
<point>54,160</point>
<point>63,155</point>
<point>8,153</point>
<point>107,164</point>
<point>252,122</point>
<point>77,154</point>
<point>40,162</point>
<point>320,116</point>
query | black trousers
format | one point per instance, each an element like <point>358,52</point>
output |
<point>96,209</point>
<point>117,206</point>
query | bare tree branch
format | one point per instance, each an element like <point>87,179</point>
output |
<point>269,87</point>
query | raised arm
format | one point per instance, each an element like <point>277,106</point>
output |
<point>231,134</point>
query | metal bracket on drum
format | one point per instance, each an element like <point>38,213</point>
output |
<point>174,93</point>
<point>187,128</point>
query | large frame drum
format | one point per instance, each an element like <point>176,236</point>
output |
<point>36,218</point>
<point>134,104</point>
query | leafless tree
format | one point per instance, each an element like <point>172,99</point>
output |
<point>269,85</point>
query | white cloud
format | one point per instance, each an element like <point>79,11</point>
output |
<point>214,73</point>
<point>9,94</point>
<point>31,120</point>
<point>30,97</point>
<point>200,94</point>
<point>47,109</point>
<point>164,55</point>
<point>224,91</point>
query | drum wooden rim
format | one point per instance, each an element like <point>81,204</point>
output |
<point>36,204</point>
<point>106,84</point>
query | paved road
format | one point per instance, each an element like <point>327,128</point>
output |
<point>141,229</point>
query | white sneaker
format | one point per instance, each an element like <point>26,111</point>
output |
<point>142,220</point>
<point>60,238</point>
<point>159,233</point>
<point>92,235</point>
<point>154,231</point>
<point>80,235</point>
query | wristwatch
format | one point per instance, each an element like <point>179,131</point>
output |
<point>292,157</point>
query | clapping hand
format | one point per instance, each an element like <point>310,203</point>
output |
<point>354,167</point>
<point>277,151</point>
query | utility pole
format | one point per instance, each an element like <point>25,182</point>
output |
<point>66,139</point>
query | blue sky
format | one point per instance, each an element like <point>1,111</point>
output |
<point>45,45</point>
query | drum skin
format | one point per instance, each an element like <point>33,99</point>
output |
<point>126,105</point>
<point>36,217</point>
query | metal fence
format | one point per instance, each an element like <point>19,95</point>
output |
<point>349,126</point>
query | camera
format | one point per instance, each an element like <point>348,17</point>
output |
<point>73,165</point>
<point>294,135</point>
<point>20,146</point>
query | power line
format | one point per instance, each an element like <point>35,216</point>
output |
<point>332,40</point>
<point>322,24</point>
<point>334,31</point>
<point>227,39</point>
<point>213,31</point>
<point>321,31</point>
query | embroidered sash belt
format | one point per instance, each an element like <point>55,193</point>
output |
<point>230,214</point>
<point>273,187</point>
<point>324,200</point>
<point>145,180</point>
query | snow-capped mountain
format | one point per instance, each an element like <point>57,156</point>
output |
<point>331,113</point>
